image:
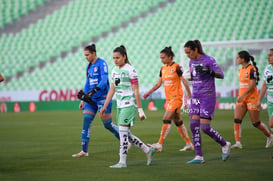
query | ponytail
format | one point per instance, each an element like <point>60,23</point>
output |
<point>168,51</point>
<point>247,57</point>
<point>257,69</point>
<point>122,50</point>
<point>91,48</point>
<point>193,44</point>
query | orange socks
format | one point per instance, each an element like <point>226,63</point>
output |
<point>237,132</point>
<point>184,133</point>
<point>164,132</point>
<point>264,129</point>
<point>181,129</point>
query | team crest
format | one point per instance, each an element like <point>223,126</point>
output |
<point>95,69</point>
<point>123,74</point>
<point>172,70</point>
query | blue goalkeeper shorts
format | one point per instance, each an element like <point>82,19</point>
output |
<point>99,104</point>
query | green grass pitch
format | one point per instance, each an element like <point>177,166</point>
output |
<point>39,145</point>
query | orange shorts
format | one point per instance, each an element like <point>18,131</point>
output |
<point>174,105</point>
<point>250,102</point>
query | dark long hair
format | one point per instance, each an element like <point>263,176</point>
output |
<point>247,57</point>
<point>91,48</point>
<point>193,44</point>
<point>168,51</point>
<point>122,50</point>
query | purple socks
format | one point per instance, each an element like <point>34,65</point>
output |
<point>213,134</point>
<point>196,137</point>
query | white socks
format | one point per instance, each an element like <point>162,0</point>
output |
<point>138,143</point>
<point>125,136</point>
<point>123,149</point>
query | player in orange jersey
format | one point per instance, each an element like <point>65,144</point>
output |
<point>171,77</point>
<point>248,98</point>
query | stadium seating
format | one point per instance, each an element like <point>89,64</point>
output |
<point>170,25</point>
<point>13,9</point>
<point>62,30</point>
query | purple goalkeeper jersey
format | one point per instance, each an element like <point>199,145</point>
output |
<point>203,85</point>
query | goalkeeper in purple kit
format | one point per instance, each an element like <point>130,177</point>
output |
<point>203,70</point>
<point>93,97</point>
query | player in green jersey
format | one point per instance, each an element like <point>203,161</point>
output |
<point>268,87</point>
<point>124,84</point>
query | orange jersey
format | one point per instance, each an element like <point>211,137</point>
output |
<point>245,76</point>
<point>170,75</point>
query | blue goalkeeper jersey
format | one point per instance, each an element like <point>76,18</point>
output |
<point>97,76</point>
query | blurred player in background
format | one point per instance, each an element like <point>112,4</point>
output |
<point>248,99</point>
<point>204,70</point>
<point>93,97</point>
<point>126,88</point>
<point>171,77</point>
<point>1,78</point>
<point>268,87</point>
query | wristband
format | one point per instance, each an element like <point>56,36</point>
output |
<point>141,113</point>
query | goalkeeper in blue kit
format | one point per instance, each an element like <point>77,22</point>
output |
<point>93,97</point>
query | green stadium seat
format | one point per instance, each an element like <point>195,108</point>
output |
<point>172,25</point>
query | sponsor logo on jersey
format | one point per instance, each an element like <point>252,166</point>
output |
<point>93,81</point>
<point>168,82</point>
<point>244,85</point>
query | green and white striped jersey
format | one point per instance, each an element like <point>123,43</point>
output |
<point>268,78</point>
<point>121,78</point>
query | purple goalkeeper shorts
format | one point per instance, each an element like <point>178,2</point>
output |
<point>203,107</point>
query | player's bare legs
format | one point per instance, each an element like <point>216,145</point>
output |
<point>255,119</point>
<point>182,131</point>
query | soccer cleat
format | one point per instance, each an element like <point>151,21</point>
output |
<point>81,154</point>
<point>119,165</point>
<point>156,146</point>
<point>187,147</point>
<point>237,145</point>
<point>150,155</point>
<point>226,151</point>
<point>197,160</point>
<point>269,141</point>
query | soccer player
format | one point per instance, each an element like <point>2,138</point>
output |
<point>171,77</point>
<point>204,70</point>
<point>268,87</point>
<point>93,97</point>
<point>126,88</point>
<point>248,98</point>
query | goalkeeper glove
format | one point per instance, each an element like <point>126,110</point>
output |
<point>204,70</point>
<point>82,96</point>
<point>93,91</point>
<point>141,113</point>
